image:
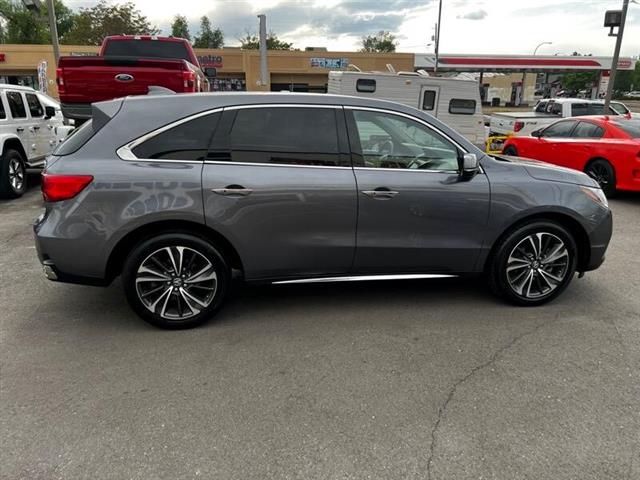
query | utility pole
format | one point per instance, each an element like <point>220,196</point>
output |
<point>437,46</point>
<point>616,53</point>
<point>264,72</point>
<point>54,30</point>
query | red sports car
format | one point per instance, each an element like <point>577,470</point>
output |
<point>605,147</point>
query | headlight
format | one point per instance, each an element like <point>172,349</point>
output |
<point>597,195</point>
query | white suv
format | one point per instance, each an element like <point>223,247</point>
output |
<point>30,128</point>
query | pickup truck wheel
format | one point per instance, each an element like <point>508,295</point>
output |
<point>510,150</point>
<point>175,280</point>
<point>13,175</point>
<point>603,173</point>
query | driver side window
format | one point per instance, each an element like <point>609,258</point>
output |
<point>392,141</point>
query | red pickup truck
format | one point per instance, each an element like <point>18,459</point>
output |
<point>127,65</point>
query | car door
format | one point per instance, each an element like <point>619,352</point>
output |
<point>42,136</point>
<point>415,213</point>
<point>20,122</point>
<point>278,183</point>
<point>585,139</point>
<point>553,140</point>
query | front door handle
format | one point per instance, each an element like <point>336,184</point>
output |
<point>233,191</point>
<point>20,129</point>
<point>380,193</point>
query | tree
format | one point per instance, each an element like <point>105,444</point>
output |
<point>252,42</point>
<point>382,42</point>
<point>92,24</point>
<point>627,80</point>
<point>180,27</point>
<point>26,26</point>
<point>578,80</point>
<point>208,38</point>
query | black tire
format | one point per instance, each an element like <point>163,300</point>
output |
<point>510,150</point>
<point>180,309</point>
<point>603,173</point>
<point>504,283</point>
<point>13,175</point>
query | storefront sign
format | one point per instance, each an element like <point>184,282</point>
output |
<point>214,61</point>
<point>333,63</point>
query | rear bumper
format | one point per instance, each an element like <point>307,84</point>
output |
<point>76,111</point>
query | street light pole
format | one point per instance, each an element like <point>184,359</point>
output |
<point>437,46</point>
<point>616,55</point>
<point>51,9</point>
<point>524,74</point>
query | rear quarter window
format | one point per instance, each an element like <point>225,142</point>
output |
<point>631,127</point>
<point>75,140</point>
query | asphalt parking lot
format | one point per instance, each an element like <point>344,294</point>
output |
<point>420,379</point>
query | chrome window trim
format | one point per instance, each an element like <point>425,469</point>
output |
<point>256,164</point>
<point>282,105</point>
<point>416,170</point>
<point>125,152</point>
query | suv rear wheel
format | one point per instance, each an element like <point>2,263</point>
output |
<point>534,263</point>
<point>175,280</point>
<point>13,175</point>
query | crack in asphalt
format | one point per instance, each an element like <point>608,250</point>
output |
<point>492,359</point>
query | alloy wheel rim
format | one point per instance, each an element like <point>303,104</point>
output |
<point>176,282</point>
<point>537,265</point>
<point>600,174</point>
<point>16,174</point>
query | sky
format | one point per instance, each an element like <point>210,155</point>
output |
<point>468,26</point>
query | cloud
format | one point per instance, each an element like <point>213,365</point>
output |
<point>475,15</point>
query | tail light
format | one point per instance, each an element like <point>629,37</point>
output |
<point>189,79</point>
<point>60,80</point>
<point>518,126</point>
<point>63,187</point>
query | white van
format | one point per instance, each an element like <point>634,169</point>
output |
<point>454,101</point>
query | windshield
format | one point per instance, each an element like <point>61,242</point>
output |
<point>146,49</point>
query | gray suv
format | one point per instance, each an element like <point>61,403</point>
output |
<point>180,194</point>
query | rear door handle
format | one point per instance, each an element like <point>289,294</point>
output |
<point>20,129</point>
<point>233,191</point>
<point>380,194</point>
<point>36,127</point>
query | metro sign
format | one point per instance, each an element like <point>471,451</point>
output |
<point>214,61</point>
<point>626,63</point>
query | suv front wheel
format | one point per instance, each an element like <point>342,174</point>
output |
<point>534,263</point>
<point>175,280</point>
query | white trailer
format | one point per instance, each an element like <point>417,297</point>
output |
<point>454,101</point>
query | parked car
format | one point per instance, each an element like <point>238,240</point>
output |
<point>182,193</point>
<point>127,65</point>
<point>546,112</point>
<point>607,148</point>
<point>30,128</point>
<point>454,101</point>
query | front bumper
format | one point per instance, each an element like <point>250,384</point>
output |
<point>599,241</point>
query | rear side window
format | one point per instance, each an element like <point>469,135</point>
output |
<point>581,109</point>
<point>556,109</point>
<point>16,105</point>
<point>285,135</point>
<point>366,85</point>
<point>559,130</point>
<point>429,100</point>
<point>462,106</point>
<point>75,140</point>
<point>35,108</point>
<point>187,141</point>
<point>3,114</point>
<point>587,130</point>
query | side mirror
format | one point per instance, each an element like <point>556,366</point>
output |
<point>536,133</point>
<point>470,166</point>
<point>49,112</point>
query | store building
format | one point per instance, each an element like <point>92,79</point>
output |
<point>236,69</point>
